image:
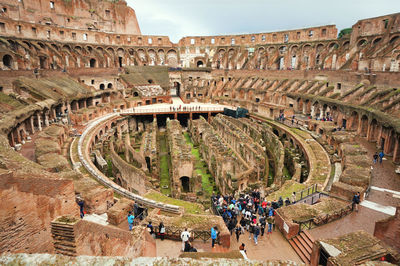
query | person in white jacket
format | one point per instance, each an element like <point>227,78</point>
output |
<point>185,235</point>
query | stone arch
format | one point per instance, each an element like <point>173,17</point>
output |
<point>92,63</point>
<point>363,128</point>
<point>376,41</point>
<point>346,45</point>
<point>200,63</point>
<point>109,85</point>
<point>373,130</point>
<point>354,121</point>
<point>271,49</point>
<point>172,58</point>
<point>102,86</point>
<point>394,38</point>
<point>361,43</point>
<point>8,61</point>
<point>319,48</point>
<point>185,183</point>
<point>333,45</point>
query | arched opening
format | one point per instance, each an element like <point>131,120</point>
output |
<point>200,63</point>
<point>135,94</point>
<point>364,126</point>
<point>177,88</point>
<point>42,62</point>
<point>148,163</point>
<point>102,86</point>
<point>395,38</point>
<point>276,132</point>
<point>120,61</point>
<point>150,81</point>
<point>109,86</point>
<point>354,121</point>
<point>7,61</point>
<point>185,183</point>
<point>92,63</point>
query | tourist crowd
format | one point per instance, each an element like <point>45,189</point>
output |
<point>250,212</point>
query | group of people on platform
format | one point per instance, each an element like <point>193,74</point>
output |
<point>248,213</point>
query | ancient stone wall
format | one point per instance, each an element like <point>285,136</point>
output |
<point>29,203</point>
<point>388,230</point>
<point>97,240</point>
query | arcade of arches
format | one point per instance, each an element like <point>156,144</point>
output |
<point>110,117</point>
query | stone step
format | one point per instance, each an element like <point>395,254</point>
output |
<point>297,250</point>
<point>307,241</point>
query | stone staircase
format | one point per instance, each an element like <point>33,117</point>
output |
<point>63,238</point>
<point>303,244</point>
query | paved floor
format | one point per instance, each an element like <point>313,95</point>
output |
<point>271,247</point>
<point>378,205</point>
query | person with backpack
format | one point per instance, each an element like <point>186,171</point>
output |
<point>251,229</point>
<point>262,224</point>
<point>270,221</point>
<point>356,201</point>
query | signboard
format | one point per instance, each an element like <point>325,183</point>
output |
<point>286,227</point>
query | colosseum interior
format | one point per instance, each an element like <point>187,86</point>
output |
<point>94,113</point>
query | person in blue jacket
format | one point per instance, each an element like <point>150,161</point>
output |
<point>131,218</point>
<point>214,234</point>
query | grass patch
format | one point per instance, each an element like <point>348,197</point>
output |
<point>192,208</point>
<point>165,180</point>
<point>286,190</point>
<point>201,168</point>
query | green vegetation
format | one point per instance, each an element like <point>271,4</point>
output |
<point>286,173</point>
<point>165,180</point>
<point>192,208</point>
<point>207,180</point>
<point>345,32</point>
<point>286,190</point>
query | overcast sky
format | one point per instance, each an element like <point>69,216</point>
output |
<point>179,18</point>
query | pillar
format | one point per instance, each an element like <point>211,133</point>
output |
<point>176,116</point>
<point>39,122</point>
<point>46,119</point>
<point>32,125</point>
<point>321,113</point>
<point>191,116</point>
<point>312,111</point>
<point>209,117</point>
<point>304,108</point>
<point>396,151</point>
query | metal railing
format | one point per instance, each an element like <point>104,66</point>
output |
<point>307,192</point>
<point>175,234</point>
<point>187,109</point>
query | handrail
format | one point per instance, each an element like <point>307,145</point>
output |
<point>187,109</point>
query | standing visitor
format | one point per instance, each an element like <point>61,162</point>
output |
<point>262,224</point>
<point>270,223</point>
<point>214,234</point>
<point>185,235</point>
<point>161,230</point>
<point>238,231</point>
<point>381,155</point>
<point>131,218</point>
<point>375,158</point>
<point>256,233</point>
<point>293,197</point>
<point>356,201</point>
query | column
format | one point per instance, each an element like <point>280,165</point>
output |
<point>321,113</point>
<point>396,150</point>
<point>39,122</point>
<point>304,108</point>
<point>191,116</point>
<point>46,119</point>
<point>176,116</point>
<point>209,117</point>
<point>32,125</point>
<point>312,111</point>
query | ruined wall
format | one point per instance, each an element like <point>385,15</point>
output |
<point>388,230</point>
<point>107,16</point>
<point>29,202</point>
<point>132,177</point>
<point>97,240</point>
